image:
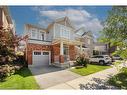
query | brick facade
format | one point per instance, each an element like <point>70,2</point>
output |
<point>72,52</point>
<point>33,47</point>
<point>55,51</point>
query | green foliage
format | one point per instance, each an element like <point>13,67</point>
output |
<point>119,80</point>
<point>7,46</point>
<point>115,29</point>
<point>90,69</point>
<point>82,60</point>
<point>8,70</point>
<point>122,53</point>
<point>22,79</point>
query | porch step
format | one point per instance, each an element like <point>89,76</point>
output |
<point>64,65</point>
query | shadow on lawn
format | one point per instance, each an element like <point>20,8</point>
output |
<point>97,84</point>
<point>24,72</point>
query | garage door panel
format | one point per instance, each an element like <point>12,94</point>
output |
<point>40,60</point>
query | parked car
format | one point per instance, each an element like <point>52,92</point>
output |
<point>101,59</point>
<point>116,57</point>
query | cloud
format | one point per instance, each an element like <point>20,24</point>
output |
<point>80,18</point>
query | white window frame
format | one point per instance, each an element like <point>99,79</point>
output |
<point>65,33</point>
<point>34,31</point>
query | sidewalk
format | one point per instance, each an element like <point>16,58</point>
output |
<point>92,81</point>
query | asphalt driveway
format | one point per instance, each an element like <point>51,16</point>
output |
<point>47,76</point>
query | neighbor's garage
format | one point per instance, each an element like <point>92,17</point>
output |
<point>41,58</point>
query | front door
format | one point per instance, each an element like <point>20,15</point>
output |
<point>66,52</point>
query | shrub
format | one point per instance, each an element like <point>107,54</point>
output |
<point>82,60</point>
<point>8,70</point>
<point>119,80</point>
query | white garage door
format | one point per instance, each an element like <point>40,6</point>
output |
<point>41,58</point>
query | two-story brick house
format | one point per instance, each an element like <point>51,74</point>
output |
<point>55,45</point>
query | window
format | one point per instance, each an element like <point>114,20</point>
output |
<point>37,53</point>
<point>42,36</point>
<point>65,49</point>
<point>65,33</point>
<point>88,41</point>
<point>100,57</point>
<point>45,53</point>
<point>34,34</point>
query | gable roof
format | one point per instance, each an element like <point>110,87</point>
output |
<point>63,21</point>
<point>89,33</point>
<point>34,26</point>
<point>82,29</point>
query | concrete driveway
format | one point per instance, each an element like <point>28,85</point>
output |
<point>47,76</point>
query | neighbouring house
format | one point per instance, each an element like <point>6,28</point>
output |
<point>103,48</point>
<point>88,42</point>
<point>55,45</point>
<point>6,22</point>
<point>100,48</point>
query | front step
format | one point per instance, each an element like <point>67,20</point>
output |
<point>64,65</point>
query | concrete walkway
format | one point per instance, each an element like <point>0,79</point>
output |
<point>92,81</point>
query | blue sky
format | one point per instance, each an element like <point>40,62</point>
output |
<point>90,17</point>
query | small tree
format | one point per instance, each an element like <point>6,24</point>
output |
<point>115,29</point>
<point>82,60</point>
<point>7,45</point>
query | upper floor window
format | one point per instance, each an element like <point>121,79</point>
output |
<point>88,41</point>
<point>65,33</point>
<point>42,35</point>
<point>34,34</point>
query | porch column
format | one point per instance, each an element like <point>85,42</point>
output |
<point>61,48</point>
<point>61,57</point>
<point>81,49</point>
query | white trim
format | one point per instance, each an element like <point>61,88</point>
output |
<point>42,55</point>
<point>61,48</point>
<point>54,28</point>
<point>39,42</point>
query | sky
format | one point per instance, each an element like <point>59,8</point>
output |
<point>89,17</point>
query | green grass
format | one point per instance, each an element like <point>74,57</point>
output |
<point>23,79</point>
<point>90,69</point>
<point>119,80</point>
<point>117,62</point>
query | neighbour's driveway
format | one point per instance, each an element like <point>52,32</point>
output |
<point>48,76</point>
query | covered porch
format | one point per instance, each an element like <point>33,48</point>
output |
<point>64,51</point>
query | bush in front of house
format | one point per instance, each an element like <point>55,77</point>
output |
<point>119,80</point>
<point>8,70</point>
<point>9,61</point>
<point>81,61</point>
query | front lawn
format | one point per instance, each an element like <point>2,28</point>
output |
<point>90,69</point>
<point>119,80</point>
<point>23,79</point>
